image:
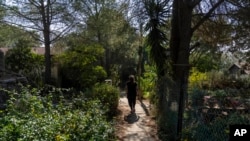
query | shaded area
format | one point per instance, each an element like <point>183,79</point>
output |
<point>144,107</point>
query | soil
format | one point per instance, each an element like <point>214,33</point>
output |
<point>138,126</point>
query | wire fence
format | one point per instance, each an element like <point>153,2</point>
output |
<point>210,112</point>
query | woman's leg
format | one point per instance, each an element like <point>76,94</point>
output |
<point>130,103</point>
<point>133,103</point>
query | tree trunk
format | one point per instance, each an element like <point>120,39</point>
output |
<point>139,71</point>
<point>107,62</point>
<point>179,45</point>
<point>47,62</point>
<point>46,35</point>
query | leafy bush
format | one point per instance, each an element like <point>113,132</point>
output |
<point>80,67</point>
<point>108,95</point>
<point>21,60</point>
<point>148,81</point>
<point>32,117</point>
<point>206,62</point>
<point>197,98</point>
<point>197,79</point>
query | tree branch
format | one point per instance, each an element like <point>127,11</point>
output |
<point>207,15</point>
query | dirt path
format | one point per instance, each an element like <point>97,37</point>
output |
<point>139,126</point>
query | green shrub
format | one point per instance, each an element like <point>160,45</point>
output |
<point>197,78</point>
<point>80,68</point>
<point>33,117</point>
<point>197,98</point>
<point>147,82</point>
<point>21,60</point>
<point>108,95</point>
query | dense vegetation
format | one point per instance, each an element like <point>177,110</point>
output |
<point>58,115</point>
<point>23,61</point>
<point>79,67</point>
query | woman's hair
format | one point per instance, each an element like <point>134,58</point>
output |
<point>131,78</point>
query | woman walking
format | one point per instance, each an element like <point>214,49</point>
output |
<point>131,92</point>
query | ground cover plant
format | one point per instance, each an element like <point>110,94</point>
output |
<point>32,116</point>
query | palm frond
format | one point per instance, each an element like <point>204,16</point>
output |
<point>156,38</point>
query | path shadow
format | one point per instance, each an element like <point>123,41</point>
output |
<point>144,108</point>
<point>132,118</point>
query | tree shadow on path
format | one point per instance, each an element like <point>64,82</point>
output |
<point>144,107</point>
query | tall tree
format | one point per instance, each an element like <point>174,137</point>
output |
<point>49,18</point>
<point>104,22</point>
<point>182,28</point>
<point>181,34</point>
<point>157,13</point>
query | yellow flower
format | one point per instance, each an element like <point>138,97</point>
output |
<point>58,138</point>
<point>62,137</point>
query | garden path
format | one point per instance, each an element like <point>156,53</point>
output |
<point>139,126</point>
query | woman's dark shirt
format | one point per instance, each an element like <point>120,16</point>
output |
<point>131,86</point>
